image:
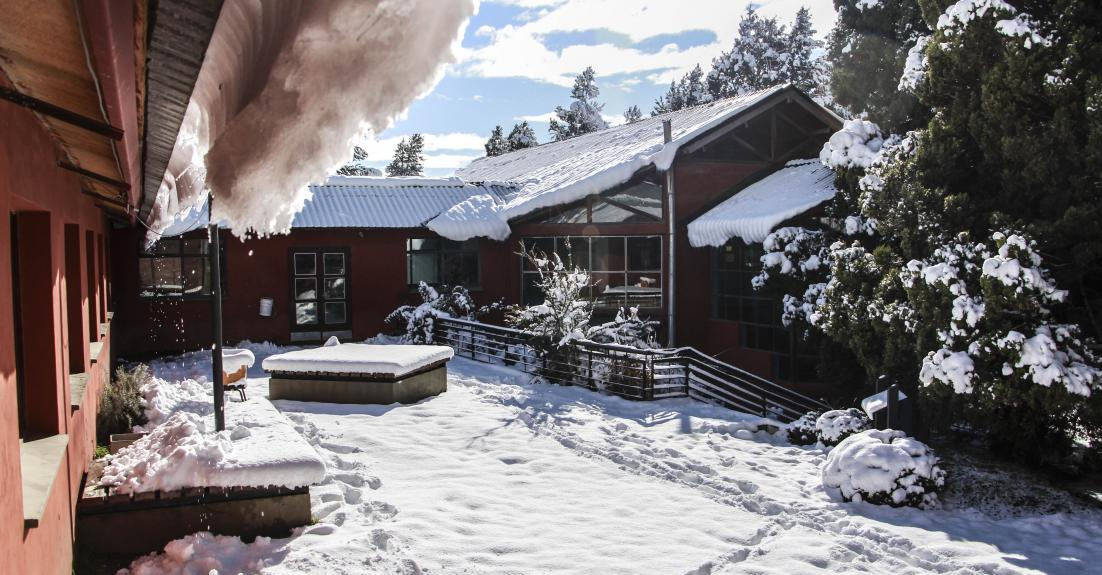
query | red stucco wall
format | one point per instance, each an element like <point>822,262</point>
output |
<point>31,181</point>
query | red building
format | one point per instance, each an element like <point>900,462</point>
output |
<point>361,244</point>
<point>82,94</point>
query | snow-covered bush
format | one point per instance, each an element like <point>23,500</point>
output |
<point>883,467</point>
<point>416,323</point>
<point>564,314</point>
<point>834,426</point>
<point>626,329</point>
<point>802,431</point>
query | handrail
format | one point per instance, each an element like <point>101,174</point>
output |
<point>642,373</point>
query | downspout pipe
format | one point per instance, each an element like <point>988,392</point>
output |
<point>671,244</point>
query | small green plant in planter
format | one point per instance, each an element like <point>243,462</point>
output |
<point>121,405</point>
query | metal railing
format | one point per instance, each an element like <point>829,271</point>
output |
<point>627,371</point>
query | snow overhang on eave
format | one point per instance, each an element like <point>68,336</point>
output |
<point>180,32</point>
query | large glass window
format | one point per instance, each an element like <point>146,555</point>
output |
<point>758,313</point>
<point>626,271</point>
<point>437,261</point>
<point>637,203</point>
<point>176,267</point>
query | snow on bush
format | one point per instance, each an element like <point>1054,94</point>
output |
<point>959,15</point>
<point>564,314</point>
<point>915,68</point>
<point>883,467</point>
<point>418,322</point>
<point>626,329</point>
<point>836,425</point>
<point>802,431</point>
<point>856,145</point>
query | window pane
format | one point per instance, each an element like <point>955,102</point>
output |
<point>334,288</point>
<point>195,246</point>
<point>645,196</point>
<point>609,290</point>
<point>145,276</point>
<point>459,268</point>
<point>573,215</point>
<point>306,288</point>
<point>644,290</point>
<point>306,313</point>
<point>333,264</point>
<point>196,279</point>
<point>531,293</point>
<point>644,253</point>
<point>470,245</point>
<point>542,246</point>
<point>608,254</point>
<point>423,268</point>
<point>306,264</point>
<point>605,213</point>
<point>169,246</point>
<point>334,312</point>
<point>167,275</point>
<point>420,244</point>
<point>573,251</point>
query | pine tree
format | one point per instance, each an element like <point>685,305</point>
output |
<point>758,59</point>
<point>408,159</point>
<point>801,66</point>
<point>686,92</point>
<point>358,167</point>
<point>632,114</point>
<point>584,114</point>
<point>867,50</point>
<point>522,136</point>
<point>969,248</point>
<point>496,145</point>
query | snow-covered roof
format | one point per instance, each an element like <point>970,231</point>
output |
<point>562,172</point>
<point>381,202</point>
<point>753,212</point>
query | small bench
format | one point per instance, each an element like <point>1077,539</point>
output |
<point>359,373</point>
<point>235,368</point>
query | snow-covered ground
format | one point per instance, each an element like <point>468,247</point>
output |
<point>502,475</point>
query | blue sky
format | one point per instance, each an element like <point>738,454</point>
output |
<point>518,58</point>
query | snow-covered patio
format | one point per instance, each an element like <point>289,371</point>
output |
<point>502,475</point>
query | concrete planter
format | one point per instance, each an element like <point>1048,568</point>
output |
<point>126,525</point>
<point>118,441</point>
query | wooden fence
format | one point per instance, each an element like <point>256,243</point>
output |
<point>627,371</point>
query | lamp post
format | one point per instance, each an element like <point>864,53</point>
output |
<point>216,316</point>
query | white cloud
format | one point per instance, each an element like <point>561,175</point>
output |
<point>536,118</point>
<point>519,50</point>
<point>484,30</point>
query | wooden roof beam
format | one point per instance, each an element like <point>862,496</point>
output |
<point>67,116</point>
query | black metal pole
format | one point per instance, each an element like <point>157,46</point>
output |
<point>893,405</point>
<point>216,314</point>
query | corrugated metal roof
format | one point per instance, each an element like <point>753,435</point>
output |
<point>373,202</point>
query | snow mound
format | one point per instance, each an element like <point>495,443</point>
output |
<point>802,431</point>
<point>837,424</point>
<point>883,467</point>
<point>206,553</point>
<point>856,145</point>
<point>178,453</point>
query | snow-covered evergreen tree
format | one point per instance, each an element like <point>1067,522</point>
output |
<point>686,92</point>
<point>496,145</point>
<point>632,114</point>
<point>358,165</point>
<point>408,159</point>
<point>758,59</point>
<point>961,258</point>
<point>799,46</point>
<point>522,136</point>
<point>584,114</point>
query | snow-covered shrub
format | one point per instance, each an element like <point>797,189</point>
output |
<point>626,329</point>
<point>416,323</point>
<point>121,403</point>
<point>883,467</point>
<point>802,431</point>
<point>834,426</point>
